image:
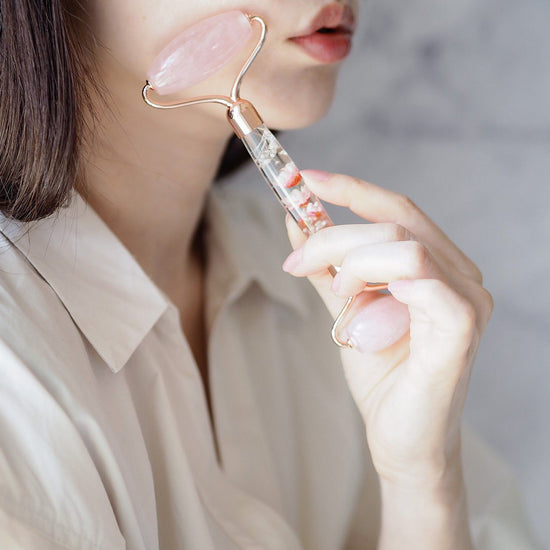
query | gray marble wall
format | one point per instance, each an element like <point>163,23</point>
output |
<point>449,103</point>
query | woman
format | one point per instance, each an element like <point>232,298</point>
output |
<point>164,384</point>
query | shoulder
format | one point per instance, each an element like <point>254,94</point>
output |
<point>43,458</point>
<point>33,321</point>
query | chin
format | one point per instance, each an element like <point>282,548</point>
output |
<point>295,102</point>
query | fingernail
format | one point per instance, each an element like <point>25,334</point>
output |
<point>293,261</point>
<point>317,175</point>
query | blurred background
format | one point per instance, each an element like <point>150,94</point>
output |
<point>449,103</point>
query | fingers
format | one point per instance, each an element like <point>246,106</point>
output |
<point>322,280</point>
<point>442,321</point>
<point>332,243</point>
<point>481,299</point>
<point>295,234</point>
<point>386,261</point>
<point>381,205</point>
<point>403,244</point>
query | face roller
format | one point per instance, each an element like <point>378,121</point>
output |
<point>198,53</point>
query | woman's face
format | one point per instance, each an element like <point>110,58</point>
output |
<point>289,87</point>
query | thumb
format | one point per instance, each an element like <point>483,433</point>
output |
<point>295,234</point>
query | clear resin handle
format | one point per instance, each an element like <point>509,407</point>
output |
<point>285,179</point>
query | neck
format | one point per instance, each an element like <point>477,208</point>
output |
<point>147,174</point>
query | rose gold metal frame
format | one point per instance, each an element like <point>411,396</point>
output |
<point>240,124</point>
<point>226,101</point>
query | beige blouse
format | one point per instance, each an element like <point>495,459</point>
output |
<point>105,438</point>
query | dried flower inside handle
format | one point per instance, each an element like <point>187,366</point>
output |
<point>285,179</point>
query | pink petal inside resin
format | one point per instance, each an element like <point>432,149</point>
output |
<point>199,52</point>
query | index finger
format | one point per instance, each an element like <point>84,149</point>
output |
<point>378,205</point>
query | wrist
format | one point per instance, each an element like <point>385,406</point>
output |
<point>441,501</point>
<point>436,478</point>
<point>425,515</point>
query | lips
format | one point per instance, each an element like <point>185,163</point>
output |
<point>332,18</point>
<point>328,38</point>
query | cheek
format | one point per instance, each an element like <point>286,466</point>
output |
<point>132,32</point>
<point>287,93</point>
<point>123,37</point>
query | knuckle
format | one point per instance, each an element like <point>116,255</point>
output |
<point>418,256</point>
<point>466,316</point>
<point>322,238</point>
<point>356,183</point>
<point>406,204</point>
<point>317,242</point>
<point>355,192</point>
<point>396,232</point>
<point>350,261</point>
<point>477,274</point>
<point>464,313</point>
<point>352,266</point>
<point>472,271</point>
<point>488,303</point>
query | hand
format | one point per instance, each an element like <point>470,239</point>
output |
<point>412,393</point>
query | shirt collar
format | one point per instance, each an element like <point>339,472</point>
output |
<point>247,242</point>
<point>109,297</point>
<point>112,300</point>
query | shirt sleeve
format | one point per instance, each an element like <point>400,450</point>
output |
<point>497,519</point>
<point>16,534</point>
<point>51,495</point>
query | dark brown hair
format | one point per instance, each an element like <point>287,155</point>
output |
<point>45,68</point>
<point>43,83</point>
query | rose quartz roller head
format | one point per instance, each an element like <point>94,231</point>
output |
<point>199,52</point>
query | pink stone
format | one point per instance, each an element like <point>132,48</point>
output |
<point>199,52</point>
<point>379,325</point>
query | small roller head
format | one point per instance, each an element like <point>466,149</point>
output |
<point>379,325</point>
<point>199,52</point>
